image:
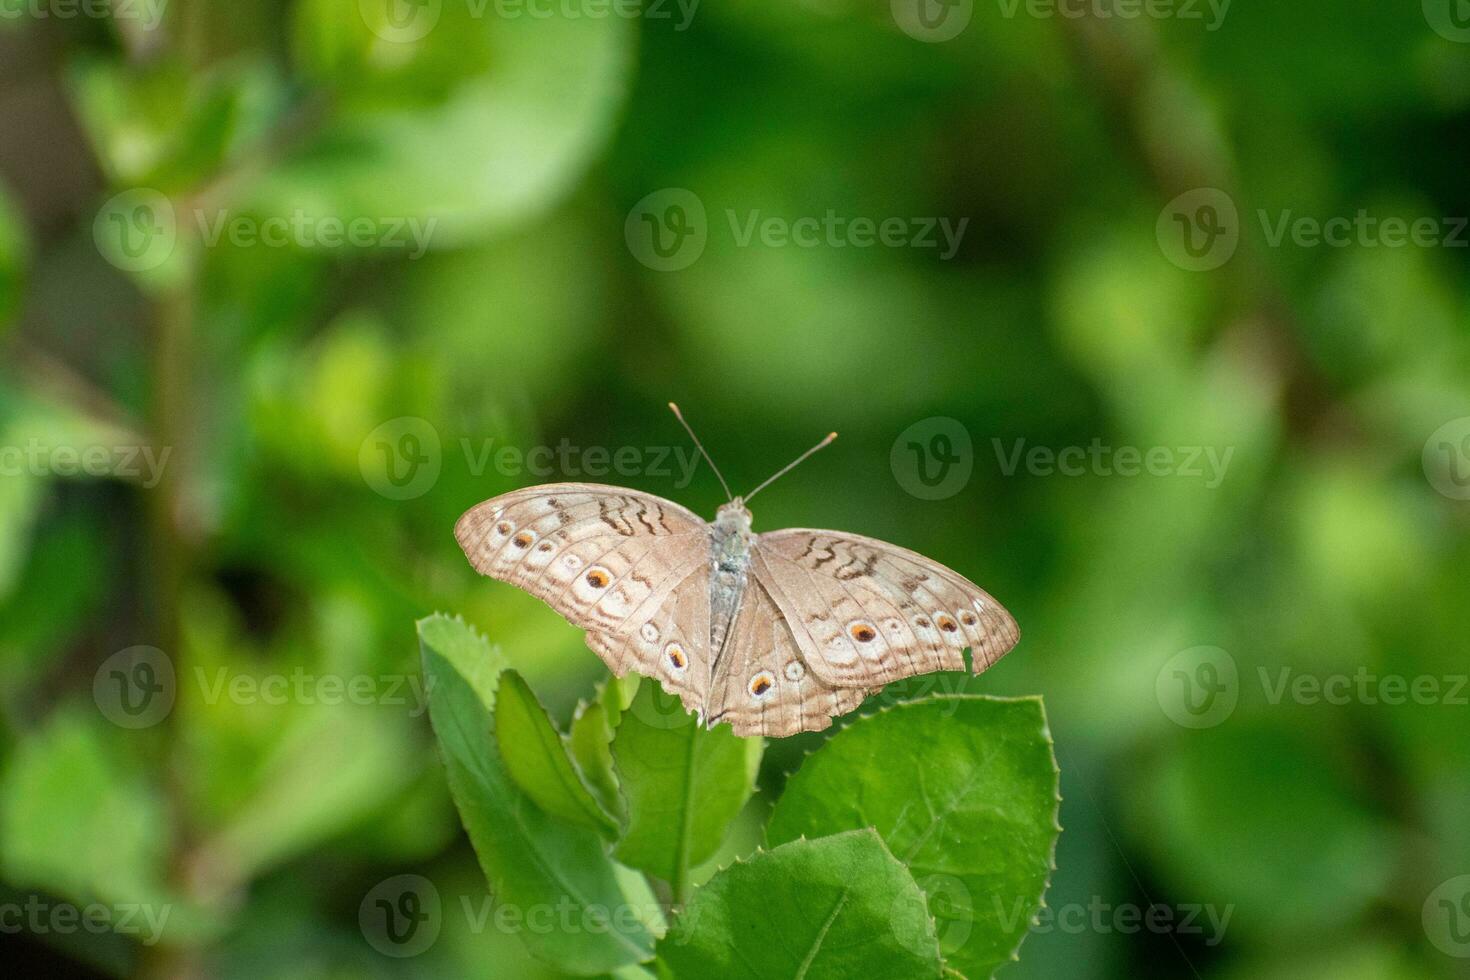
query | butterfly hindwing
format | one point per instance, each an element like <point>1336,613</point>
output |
<point>761,683</point>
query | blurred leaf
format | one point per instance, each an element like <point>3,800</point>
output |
<point>963,790</point>
<point>826,909</point>
<point>530,862</point>
<point>79,817</point>
<point>167,128</point>
<point>536,758</point>
<point>14,254</point>
<point>503,113</point>
<point>683,783</point>
<point>1206,808</point>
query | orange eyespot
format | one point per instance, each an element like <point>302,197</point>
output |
<point>968,618</point>
<point>522,540</point>
<point>597,578</point>
<point>862,632</point>
<point>761,683</point>
<point>676,657</point>
<point>947,624</point>
<point>503,527</point>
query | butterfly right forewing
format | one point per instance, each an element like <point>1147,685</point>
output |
<point>867,613</point>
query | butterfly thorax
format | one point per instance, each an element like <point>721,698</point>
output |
<point>730,542</point>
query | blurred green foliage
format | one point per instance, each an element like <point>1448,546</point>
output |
<point>277,540</point>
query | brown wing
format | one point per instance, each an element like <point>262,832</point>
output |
<point>606,558</point>
<point>866,612</point>
<point>762,684</point>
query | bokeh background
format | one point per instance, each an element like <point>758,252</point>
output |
<point>1132,275</point>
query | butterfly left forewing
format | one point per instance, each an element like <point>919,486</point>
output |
<point>595,554</point>
<point>866,612</point>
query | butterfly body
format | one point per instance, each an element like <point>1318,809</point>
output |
<point>773,633</point>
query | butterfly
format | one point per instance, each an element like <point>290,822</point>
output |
<point>773,633</point>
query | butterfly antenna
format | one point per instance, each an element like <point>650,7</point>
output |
<point>698,445</point>
<point>792,465</point>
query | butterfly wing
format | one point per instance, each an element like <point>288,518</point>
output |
<point>762,684</point>
<point>620,564</point>
<point>866,613</point>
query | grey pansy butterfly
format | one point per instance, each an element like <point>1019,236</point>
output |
<point>775,633</point>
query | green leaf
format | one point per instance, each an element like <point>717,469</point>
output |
<point>78,817</point>
<point>480,123</point>
<point>963,790</point>
<point>531,862</point>
<point>683,783</point>
<point>590,743</point>
<point>837,907</point>
<point>537,759</point>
